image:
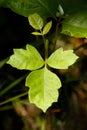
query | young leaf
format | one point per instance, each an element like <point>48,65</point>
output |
<point>62,59</point>
<point>28,59</point>
<point>37,33</point>
<point>47,28</point>
<point>61,11</point>
<point>36,21</point>
<point>44,87</point>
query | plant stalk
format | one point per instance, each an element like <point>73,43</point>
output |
<point>13,98</point>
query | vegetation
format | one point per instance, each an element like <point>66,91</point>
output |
<point>47,38</point>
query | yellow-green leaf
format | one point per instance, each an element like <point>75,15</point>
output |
<point>36,21</point>
<point>47,28</point>
<point>61,59</point>
<point>37,33</point>
<point>44,87</point>
<point>28,59</point>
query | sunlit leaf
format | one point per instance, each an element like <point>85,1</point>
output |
<point>37,33</point>
<point>36,21</point>
<point>61,59</point>
<point>44,87</point>
<point>76,25</point>
<point>28,59</point>
<point>47,28</point>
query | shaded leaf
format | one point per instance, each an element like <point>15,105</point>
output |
<point>73,6</point>
<point>44,87</point>
<point>36,21</point>
<point>47,28</point>
<point>28,59</point>
<point>1,2</point>
<point>61,59</point>
<point>45,8</point>
<point>76,25</point>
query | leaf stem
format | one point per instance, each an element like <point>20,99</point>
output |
<point>46,48</point>
<point>13,98</point>
<point>13,84</point>
<point>46,43</point>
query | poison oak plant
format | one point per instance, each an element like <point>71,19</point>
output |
<point>43,83</point>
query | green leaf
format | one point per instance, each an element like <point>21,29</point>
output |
<point>36,21</point>
<point>61,11</point>
<point>28,59</point>
<point>45,8</point>
<point>1,2</point>
<point>37,33</point>
<point>61,59</point>
<point>44,87</point>
<point>47,28</point>
<point>73,6</point>
<point>76,25</point>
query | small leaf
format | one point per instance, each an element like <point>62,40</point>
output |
<point>37,33</point>
<point>36,21</point>
<point>28,59</point>
<point>61,11</point>
<point>44,87</point>
<point>62,59</point>
<point>47,28</point>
